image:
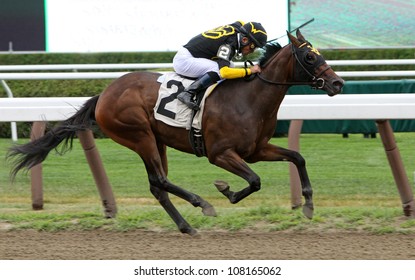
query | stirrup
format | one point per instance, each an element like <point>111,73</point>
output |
<point>192,105</point>
<point>186,98</point>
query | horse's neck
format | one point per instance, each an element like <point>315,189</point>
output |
<point>278,69</point>
<point>280,66</point>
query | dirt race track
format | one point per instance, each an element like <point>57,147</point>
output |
<point>142,245</point>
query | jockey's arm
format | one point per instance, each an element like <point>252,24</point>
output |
<point>227,72</point>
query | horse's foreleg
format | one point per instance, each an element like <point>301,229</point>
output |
<point>274,153</point>
<point>298,160</point>
<point>231,162</point>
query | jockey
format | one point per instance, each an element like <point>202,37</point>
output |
<point>208,56</point>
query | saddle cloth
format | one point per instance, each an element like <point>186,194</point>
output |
<point>170,110</point>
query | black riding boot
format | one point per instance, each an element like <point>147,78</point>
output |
<point>197,86</point>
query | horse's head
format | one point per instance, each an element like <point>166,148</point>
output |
<point>312,67</point>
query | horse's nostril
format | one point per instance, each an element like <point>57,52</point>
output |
<point>338,84</point>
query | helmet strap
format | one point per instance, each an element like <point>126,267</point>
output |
<point>238,51</point>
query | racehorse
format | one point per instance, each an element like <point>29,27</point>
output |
<point>238,121</point>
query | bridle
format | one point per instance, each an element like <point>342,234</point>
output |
<point>316,81</point>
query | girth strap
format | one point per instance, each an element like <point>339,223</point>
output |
<point>197,142</point>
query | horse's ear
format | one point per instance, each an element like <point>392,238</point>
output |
<point>300,36</point>
<point>293,40</point>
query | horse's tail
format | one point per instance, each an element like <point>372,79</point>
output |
<point>30,154</point>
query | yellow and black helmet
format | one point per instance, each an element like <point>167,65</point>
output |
<point>255,32</point>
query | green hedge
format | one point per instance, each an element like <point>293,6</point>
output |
<point>93,87</point>
<point>72,87</point>
<point>87,58</point>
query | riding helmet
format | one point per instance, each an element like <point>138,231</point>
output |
<point>255,32</point>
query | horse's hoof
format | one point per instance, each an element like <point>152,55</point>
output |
<point>209,211</point>
<point>221,185</point>
<point>308,211</point>
<point>196,234</point>
<point>192,232</point>
<point>187,229</point>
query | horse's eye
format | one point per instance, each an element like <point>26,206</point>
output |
<point>310,58</point>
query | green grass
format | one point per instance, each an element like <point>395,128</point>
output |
<point>353,190</point>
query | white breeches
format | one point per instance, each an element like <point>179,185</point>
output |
<point>187,65</point>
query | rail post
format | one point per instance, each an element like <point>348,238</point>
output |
<point>396,164</point>
<point>93,157</point>
<point>37,131</point>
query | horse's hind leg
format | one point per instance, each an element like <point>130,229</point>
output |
<point>164,200</point>
<point>194,199</point>
<point>157,179</point>
<point>159,188</point>
<point>154,157</point>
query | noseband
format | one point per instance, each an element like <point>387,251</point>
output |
<point>316,81</point>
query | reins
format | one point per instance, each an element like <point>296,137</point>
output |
<point>316,83</point>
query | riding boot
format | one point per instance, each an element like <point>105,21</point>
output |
<point>197,86</point>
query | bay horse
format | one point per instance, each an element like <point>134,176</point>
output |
<point>238,121</point>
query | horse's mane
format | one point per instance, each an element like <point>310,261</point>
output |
<point>270,50</point>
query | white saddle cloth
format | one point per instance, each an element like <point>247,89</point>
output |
<point>170,110</point>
